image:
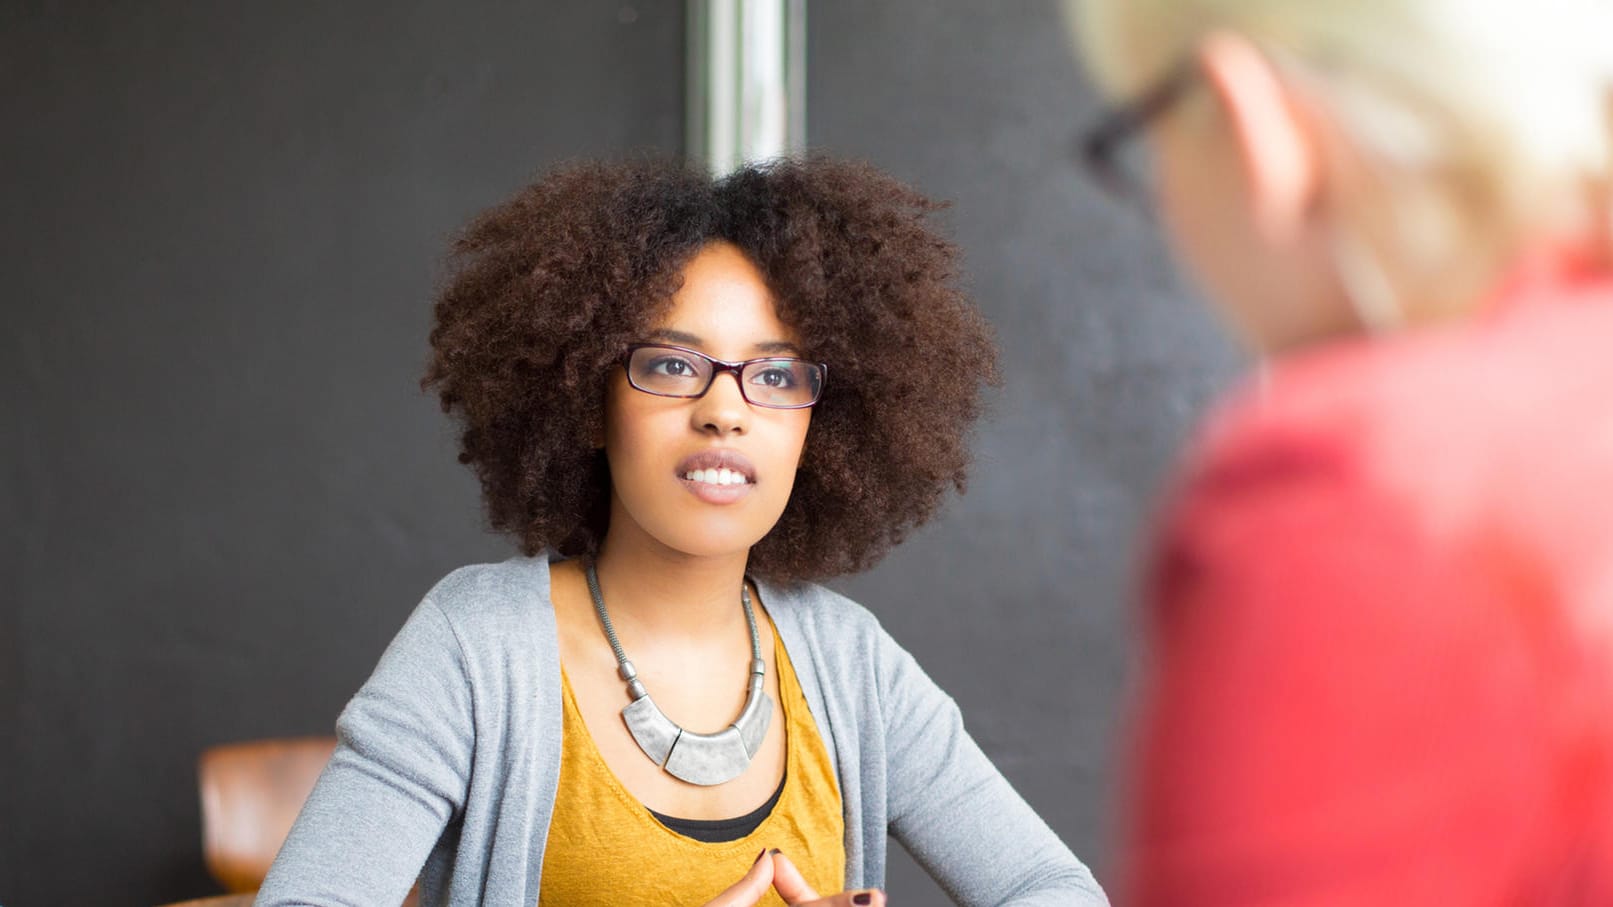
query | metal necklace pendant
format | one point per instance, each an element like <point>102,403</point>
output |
<point>704,759</point>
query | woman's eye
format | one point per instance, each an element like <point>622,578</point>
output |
<point>672,367</point>
<point>775,376</point>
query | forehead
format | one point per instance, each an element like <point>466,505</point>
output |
<point>724,299</point>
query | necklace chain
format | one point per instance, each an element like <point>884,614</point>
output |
<point>704,759</point>
<point>616,644</point>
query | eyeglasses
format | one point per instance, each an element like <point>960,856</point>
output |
<point>1102,148</point>
<point>773,382</point>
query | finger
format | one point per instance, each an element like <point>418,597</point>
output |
<point>867,897</point>
<point>750,888</point>
<point>791,885</point>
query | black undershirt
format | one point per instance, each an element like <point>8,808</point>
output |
<point>718,831</point>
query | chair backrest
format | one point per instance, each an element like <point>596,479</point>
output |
<point>251,793</point>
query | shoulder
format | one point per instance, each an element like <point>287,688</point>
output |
<point>1420,461</point>
<point>1298,426</point>
<point>1327,408</point>
<point>499,600</point>
<point>1424,417</point>
<point>820,615</point>
<point>477,652</point>
<point>1442,419</point>
<point>838,644</point>
<point>481,586</point>
<point>1308,452</point>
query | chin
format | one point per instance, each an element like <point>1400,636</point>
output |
<point>710,535</point>
<point>716,545</point>
<point>698,530</point>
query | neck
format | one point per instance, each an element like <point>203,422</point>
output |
<point>667,592</point>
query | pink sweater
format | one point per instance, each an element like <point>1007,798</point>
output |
<point>1380,617</point>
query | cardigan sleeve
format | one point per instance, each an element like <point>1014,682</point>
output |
<point>1342,706</point>
<point>954,812</point>
<point>397,778</point>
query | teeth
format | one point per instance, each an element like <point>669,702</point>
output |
<point>722,476</point>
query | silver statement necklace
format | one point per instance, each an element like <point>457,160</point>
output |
<point>704,759</point>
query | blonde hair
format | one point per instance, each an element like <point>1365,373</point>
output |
<point>1487,124</point>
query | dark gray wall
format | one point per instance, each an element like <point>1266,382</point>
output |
<point>1015,601</point>
<point>221,491</point>
<point>223,488</point>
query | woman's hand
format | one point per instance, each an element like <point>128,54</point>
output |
<point>750,888</point>
<point>781,874</point>
<point>795,891</point>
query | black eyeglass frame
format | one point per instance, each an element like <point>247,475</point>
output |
<point>1121,123</point>
<point>719,366</point>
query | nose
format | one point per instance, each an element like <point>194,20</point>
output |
<point>723,410</point>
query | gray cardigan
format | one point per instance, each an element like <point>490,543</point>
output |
<point>449,758</point>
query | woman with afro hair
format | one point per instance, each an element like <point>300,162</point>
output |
<point>685,399</point>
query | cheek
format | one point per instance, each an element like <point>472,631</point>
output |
<point>1211,236</point>
<point>1193,218</point>
<point>630,431</point>
<point>794,435</point>
<point>778,448</point>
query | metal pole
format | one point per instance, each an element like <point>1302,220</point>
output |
<point>747,81</point>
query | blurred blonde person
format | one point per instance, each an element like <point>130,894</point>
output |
<point>1379,606</point>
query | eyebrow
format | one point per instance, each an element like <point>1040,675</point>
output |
<point>683,338</point>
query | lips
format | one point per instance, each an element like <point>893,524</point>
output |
<point>721,468</point>
<point>717,476</point>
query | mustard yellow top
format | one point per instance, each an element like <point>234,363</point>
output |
<point>605,848</point>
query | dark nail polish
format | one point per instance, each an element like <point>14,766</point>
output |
<point>776,851</point>
<point>862,897</point>
<point>759,857</point>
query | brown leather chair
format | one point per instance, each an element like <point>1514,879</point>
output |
<point>251,794</point>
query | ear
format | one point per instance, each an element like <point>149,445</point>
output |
<point>1277,144</point>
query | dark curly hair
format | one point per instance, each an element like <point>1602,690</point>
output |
<point>545,290</point>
